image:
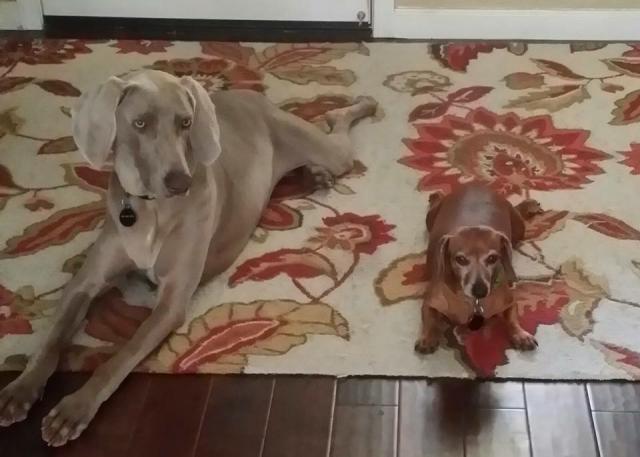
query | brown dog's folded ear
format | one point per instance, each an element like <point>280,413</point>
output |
<point>435,199</point>
<point>94,121</point>
<point>507,255</point>
<point>205,131</point>
<point>442,259</point>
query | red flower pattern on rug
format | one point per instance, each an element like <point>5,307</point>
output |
<point>36,52</point>
<point>458,55</point>
<point>350,232</point>
<point>512,154</point>
<point>143,47</point>
<point>214,74</point>
<point>632,158</point>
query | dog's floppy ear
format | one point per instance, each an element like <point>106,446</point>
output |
<point>442,259</point>
<point>506,255</point>
<point>205,131</point>
<point>94,121</point>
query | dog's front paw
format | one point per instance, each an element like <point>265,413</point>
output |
<point>529,208</point>
<point>68,419</point>
<point>369,105</point>
<point>322,178</point>
<point>16,400</point>
<point>524,341</point>
<point>427,344</point>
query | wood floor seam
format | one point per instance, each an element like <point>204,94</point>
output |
<point>266,423</point>
<point>202,416</point>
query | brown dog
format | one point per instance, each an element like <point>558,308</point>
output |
<point>471,235</point>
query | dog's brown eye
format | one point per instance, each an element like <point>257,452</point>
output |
<point>462,260</point>
<point>139,124</point>
<point>492,259</point>
<point>186,123</point>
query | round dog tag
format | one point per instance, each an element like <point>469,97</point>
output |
<point>128,216</point>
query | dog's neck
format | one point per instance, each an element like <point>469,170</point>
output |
<point>143,197</point>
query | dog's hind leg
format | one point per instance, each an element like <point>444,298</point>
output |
<point>302,143</point>
<point>105,260</point>
<point>340,122</point>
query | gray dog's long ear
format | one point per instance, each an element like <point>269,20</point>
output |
<point>94,121</point>
<point>205,131</point>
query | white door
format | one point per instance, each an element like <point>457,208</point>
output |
<point>256,10</point>
<point>20,15</point>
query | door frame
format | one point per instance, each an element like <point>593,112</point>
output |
<point>21,15</point>
<point>482,24</point>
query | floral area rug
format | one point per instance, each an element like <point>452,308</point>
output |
<point>331,281</point>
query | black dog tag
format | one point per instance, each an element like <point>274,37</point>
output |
<point>128,216</point>
<point>476,322</point>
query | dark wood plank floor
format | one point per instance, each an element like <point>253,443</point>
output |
<point>263,416</point>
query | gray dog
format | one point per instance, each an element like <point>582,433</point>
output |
<point>193,174</point>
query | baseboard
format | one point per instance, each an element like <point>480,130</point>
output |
<point>482,24</point>
<point>200,30</point>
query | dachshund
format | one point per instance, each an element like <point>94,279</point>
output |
<point>472,232</point>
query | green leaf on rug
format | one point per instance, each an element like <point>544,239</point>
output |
<point>430,110</point>
<point>295,55</point>
<point>58,146</point>
<point>522,80</point>
<point>10,123</point>
<point>10,83</point>
<point>15,362</point>
<point>7,186</point>
<point>326,76</point>
<point>628,109</point>
<point>608,225</point>
<point>582,46</point>
<point>468,94</point>
<point>585,291</point>
<point>630,67</point>
<point>611,88</point>
<point>58,87</point>
<point>552,99</point>
<point>343,189</point>
<point>73,264</point>
<point>556,69</point>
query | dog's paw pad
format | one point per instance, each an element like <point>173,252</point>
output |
<point>530,208</point>
<point>67,420</point>
<point>426,345</point>
<point>524,341</point>
<point>15,403</point>
<point>322,178</point>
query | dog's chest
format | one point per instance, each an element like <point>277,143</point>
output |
<point>143,241</point>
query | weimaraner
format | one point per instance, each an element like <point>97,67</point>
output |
<point>190,171</point>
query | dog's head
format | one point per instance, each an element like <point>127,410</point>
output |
<point>475,259</point>
<point>152,127</point>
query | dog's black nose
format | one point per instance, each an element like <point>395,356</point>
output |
<point>479,289</point>
<point>177,182</point>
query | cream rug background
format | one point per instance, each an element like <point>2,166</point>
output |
<point>331,282</point>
